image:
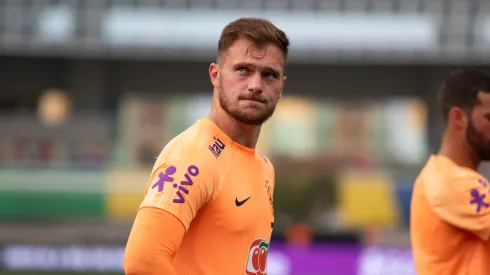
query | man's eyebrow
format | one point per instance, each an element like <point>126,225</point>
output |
<point>265,68</point>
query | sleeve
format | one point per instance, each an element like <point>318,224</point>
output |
<point>464,203</point>
<point>154,239</point>
<point>181,184</point>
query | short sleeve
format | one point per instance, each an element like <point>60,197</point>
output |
<point>464,203</point>
<point>181,185</point>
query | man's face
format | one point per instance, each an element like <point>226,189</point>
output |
<point>478,128</point>
<point>250,81</point>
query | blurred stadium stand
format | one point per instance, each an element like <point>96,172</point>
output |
<point>91,90</point>
<point>429,31</point>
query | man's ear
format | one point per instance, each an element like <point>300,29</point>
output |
<point>458,118</point>
<point>214,74</point>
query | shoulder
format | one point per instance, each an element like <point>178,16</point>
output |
<point>443,184</point>
<point>266,161</point>
<point>268,167</point>
<point>191,144</point>
<point>189,151</point>
<point>186,159</point>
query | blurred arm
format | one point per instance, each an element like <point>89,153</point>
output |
<point>155,238</point>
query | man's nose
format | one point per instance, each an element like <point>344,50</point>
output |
<point>255,84</point>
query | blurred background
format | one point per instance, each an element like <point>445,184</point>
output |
<point>92,90</point>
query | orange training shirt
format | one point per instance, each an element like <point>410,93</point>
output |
<point>222,192</point>
<point>450,220</point>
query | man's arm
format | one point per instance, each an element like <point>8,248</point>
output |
<point>179,186</point>
<point>464,203</point>
<point>153,242</point>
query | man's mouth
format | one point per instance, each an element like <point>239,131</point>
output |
<point>253,99</point>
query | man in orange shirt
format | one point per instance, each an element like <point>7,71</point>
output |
<point>450,208</point>
<point>208,208</point>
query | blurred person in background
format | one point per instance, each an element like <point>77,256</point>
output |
<point>208,206</point>
<point>450,208</point>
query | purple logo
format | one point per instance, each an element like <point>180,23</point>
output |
<point>478,200</point>
<point>217,147</point>
<point>164,177</point>
<point>192,171</point>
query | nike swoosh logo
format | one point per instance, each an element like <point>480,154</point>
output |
<point>240,203</point>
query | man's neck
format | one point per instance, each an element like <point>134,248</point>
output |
<point>459,152</point>
<point>246,135</point>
